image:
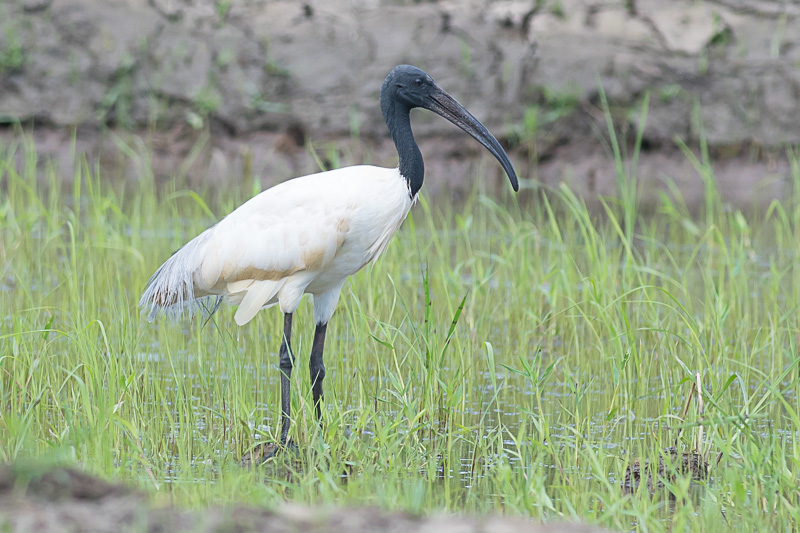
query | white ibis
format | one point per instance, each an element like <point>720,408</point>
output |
<point>308,234</point>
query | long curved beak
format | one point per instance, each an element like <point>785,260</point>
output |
<point>448,107</point>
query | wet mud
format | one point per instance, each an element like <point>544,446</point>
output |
<point>63,499</point>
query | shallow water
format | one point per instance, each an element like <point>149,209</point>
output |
<point>623,434</point>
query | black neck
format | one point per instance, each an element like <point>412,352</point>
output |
<point>398,121</point>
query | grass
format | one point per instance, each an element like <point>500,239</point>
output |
<point>502,356</point>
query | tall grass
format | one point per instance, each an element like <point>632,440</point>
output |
<point>503,355</point>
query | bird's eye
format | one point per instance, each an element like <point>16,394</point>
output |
<point>418,82</point>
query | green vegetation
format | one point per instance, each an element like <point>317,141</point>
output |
<point>12,55</point>
<point>557,10</point>
<point>508,355</point>
<point>118,100</point>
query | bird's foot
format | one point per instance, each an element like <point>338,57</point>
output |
<point>265,451</point>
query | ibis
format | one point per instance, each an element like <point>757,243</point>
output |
<point>309,234</point>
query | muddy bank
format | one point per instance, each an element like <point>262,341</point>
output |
<point>247,84</point>
<point>266,64</point>
<point>747,176</point>
<point>67,500</point>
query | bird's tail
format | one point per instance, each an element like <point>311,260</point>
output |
<point>171,289</point>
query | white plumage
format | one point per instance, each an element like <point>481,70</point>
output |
<point>306,235</point>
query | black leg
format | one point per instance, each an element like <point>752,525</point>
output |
<point>264,451</point>
<point>286,364</point>
<point>317,367</point>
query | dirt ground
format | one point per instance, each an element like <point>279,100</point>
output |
<point>224,95</point>
<point>66,500</point>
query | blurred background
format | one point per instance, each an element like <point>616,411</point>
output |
<point>227,91</point>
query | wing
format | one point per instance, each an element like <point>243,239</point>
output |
<point>286,229</point>
<point>280,239</point>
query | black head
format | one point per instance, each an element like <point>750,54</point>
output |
<point>411,87</point>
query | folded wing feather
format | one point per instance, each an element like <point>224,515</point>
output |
<point>254,250</point>
<point>277,240</point>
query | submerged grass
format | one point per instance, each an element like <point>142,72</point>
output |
<point>502,356</point>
